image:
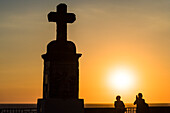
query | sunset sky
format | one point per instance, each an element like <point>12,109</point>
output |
<point>125,46</point>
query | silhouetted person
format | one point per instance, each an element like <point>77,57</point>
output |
<point>119,105</point>
<point>142,107</point>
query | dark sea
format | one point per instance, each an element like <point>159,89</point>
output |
<point>86,105</point>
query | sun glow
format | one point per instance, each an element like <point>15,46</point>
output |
<point>121,79</point>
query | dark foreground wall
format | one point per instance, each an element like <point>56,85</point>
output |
<point>99,110</point>
<point>112,110</point>
<point>86,110</point>
<point>159,109</point>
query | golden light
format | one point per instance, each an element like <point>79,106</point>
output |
<point>121,78</point>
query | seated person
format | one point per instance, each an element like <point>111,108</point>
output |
<point>119,105</point>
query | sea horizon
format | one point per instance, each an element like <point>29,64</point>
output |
<point>87,105</point>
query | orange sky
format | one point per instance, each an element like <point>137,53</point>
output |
<point>112,35</point>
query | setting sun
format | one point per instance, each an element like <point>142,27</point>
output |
<point>121,79</point>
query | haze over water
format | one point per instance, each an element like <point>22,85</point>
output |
<point>86,105</point>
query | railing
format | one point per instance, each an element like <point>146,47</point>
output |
<point>155,109</point>
<point>130,110</point>
<point>34,110</point>
<point>18,110</point>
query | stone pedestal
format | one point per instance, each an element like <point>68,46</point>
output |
<point>61,70</point>
<point>60,106</point>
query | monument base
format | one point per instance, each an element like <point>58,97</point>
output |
<point>60,106</point>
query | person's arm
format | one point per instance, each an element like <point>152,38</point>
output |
<point>123,104</point>
<point>115,104</point>
<point>136,100</point>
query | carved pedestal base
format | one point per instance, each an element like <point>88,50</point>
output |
<point>60,106</point>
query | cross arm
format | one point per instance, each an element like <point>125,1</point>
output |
<point>67,18</point>
<point>52,17</point>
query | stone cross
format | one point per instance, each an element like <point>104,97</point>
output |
<point>61,17</point>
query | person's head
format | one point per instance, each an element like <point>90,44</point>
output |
<point>118,98</point>
<point>140,95</point>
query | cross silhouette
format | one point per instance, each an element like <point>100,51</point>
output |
<point>61,17</point>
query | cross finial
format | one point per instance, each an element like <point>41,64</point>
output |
<point>61,17</point>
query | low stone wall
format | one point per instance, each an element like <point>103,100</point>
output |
<point>159,109</point>
<point>87,110</point>
<point>112,110</point>
<point>99,110</point>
